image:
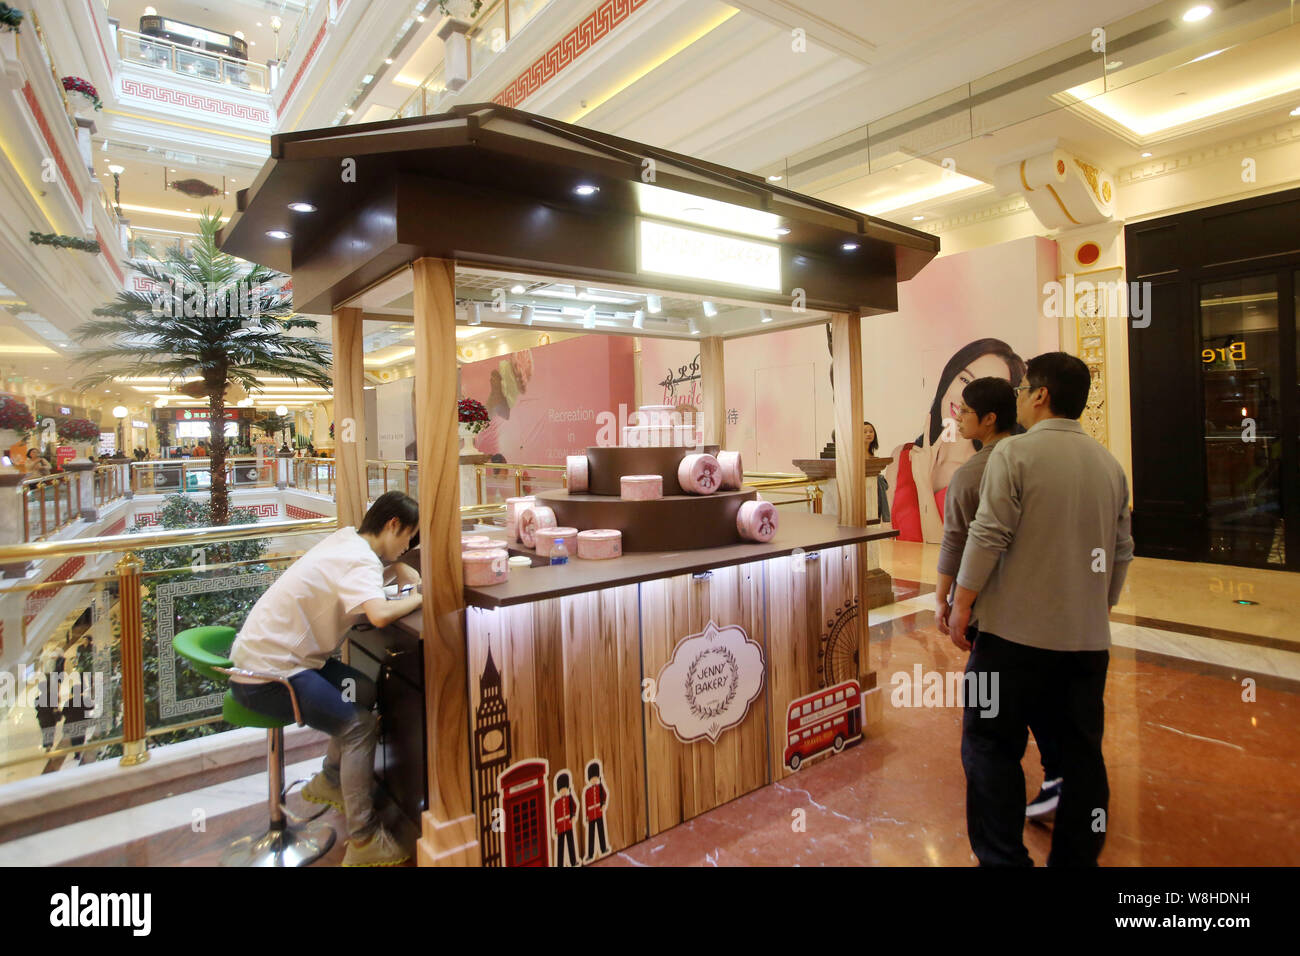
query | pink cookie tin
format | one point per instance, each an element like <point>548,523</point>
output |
<point>699,474</point>
<point>575,468</point>
<point>531,519</point>
<point>546,538</point>
<point>641,487</point>
<point>732,470</point>
<point>513,507</point>
<point>486,567</point>
<point>756,521</point>
<point>599,544</point>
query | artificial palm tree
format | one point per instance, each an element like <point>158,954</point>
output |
<point>214,316</point>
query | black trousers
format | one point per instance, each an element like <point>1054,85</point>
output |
<point>1041,725</point>
<point>1062,690</point>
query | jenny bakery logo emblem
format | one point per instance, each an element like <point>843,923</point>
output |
<point>709,683</point>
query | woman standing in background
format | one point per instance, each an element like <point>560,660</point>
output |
<point>882,487</point>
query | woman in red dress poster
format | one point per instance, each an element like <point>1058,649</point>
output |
<point>918,476</point>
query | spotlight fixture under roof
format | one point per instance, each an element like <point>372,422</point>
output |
<point>1197,13</point>
<point>775,178</point>
<point>782,230</point>
<point>766,315</point>
<point>586,189</point>
<point>849,246</point>
<point>710,310</point>
<point>526,315</point>
<point>516,289</point>
<point>654,304</point>
<point>302,207</point>
<point>278,234</point>
<point>638,319</point>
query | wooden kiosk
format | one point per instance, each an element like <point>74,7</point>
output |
<point>549,686</point>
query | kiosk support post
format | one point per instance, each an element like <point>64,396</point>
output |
<point>449,831</point>
<point>349,415</point>
<point>851,481</point>
<point>713,393</point>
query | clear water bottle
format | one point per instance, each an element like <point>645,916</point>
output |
<point>559,552</point>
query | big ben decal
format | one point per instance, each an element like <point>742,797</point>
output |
<point>491,756</point>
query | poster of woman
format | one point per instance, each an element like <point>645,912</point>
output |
<point>919,474</point>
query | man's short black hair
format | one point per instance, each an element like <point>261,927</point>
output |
<point>1066,379</point>
<point>390,505</point>
<point>992,394</point>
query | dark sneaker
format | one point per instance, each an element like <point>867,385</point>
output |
<point>1043,807</point>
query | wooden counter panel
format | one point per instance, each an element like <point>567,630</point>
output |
<point>570,679</point>
<point>814,629</point>
<point>686,780</point>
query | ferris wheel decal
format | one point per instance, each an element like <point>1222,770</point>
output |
<point>837,655</point>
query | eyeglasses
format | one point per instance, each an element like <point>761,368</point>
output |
<point>1022,388</point>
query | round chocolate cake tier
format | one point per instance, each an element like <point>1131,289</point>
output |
<point>605,466</point>
<point>671,523</point>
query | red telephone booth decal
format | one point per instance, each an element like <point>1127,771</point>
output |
<point>527,837</point>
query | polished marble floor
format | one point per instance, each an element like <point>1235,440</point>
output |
<point>1202,745</point>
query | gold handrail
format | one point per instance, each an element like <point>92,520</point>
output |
<point>16,553</point>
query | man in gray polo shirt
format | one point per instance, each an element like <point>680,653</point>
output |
<point>1046,555</point>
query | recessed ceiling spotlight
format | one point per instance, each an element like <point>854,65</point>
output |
<point>1146,155</point>
<point>695,329</point>
<point>516,289</point>
<point>654,304</point>
<point>419,18</point>
<point>1296,111</point>
<point>917,218</point>
<point>302,207</point>
<point>775,178</point>
<point>388,61</point>
<point>350,111</point>
<point>710,310</point>
<point>586,189</point>
<point>1197,13</point>
<point>278,234</point>
<point>782,230</point>
<point>849,246</point>
<point>1114,64</point>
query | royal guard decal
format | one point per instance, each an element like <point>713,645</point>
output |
<point>595,802</point>
<point>564,814</point>
<point>827,719</point>
<point>710,682</point>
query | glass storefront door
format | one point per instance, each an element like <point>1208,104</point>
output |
<point>1242,387</point>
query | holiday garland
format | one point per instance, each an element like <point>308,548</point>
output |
<point>75,84</point>
<point>16,416</point>
<point>63,242</point>
<point>10,19</point>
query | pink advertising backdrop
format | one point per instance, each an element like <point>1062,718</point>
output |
<point>544,402</point>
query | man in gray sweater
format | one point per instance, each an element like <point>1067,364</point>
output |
<point>987,415</point>
<point>1046,555</point>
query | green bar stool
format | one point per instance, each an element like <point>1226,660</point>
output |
<point>290,840</point>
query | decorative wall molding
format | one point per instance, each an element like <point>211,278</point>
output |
<point>594,27</point>
<point>193,100</point>
<point>1285,135</point>
<point>998,210</point>
<point>38,114</point>
<point>302,68</point>
<point>293,511</point>
<point>94,27</point>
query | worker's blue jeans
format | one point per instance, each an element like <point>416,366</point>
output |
<point>339,701</point>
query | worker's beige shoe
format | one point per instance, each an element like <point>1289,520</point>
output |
<point>320,790</point>
<point>380,850</point>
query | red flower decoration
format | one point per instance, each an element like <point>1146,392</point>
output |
<point>16,416</point>
<point>75,84</point>
<point>471,410</point>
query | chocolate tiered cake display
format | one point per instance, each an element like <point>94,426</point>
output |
<point>661,490</point>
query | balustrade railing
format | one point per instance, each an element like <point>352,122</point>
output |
<point>161,54</point>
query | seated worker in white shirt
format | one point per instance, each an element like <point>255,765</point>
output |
<point>293,631</point>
